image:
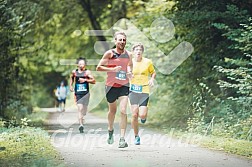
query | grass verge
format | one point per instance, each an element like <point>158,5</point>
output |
<point>37,117</point>
<point>228,145</point>
<point>27,147</point>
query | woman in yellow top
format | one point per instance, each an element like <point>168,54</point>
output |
<point>140,87</point>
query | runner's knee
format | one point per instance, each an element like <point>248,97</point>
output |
<point>143,115</point>
<point>135,115</point>
<point>123,110</point>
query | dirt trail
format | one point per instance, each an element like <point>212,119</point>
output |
<point>91,149</point>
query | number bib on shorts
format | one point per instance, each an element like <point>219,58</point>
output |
<point>136,88</point>
<point>81,87</point>
<point>121,75</point>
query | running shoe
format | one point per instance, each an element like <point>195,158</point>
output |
<point>81,129</point>
<point>111,137</point>
<point>143,121</point>
<point>137,140</point>
<point>122,143</point>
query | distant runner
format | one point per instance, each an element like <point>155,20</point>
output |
<point>61,93</point>
<point>81,78</point>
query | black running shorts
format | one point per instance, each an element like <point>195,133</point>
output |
<point>82,99</point>
<point>113,93</point>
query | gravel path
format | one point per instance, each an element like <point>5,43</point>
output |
<point>91,150</point>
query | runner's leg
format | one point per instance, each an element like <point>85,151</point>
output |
<point>81,113</point>
<point>143,112</point>
<point>111,115</point>
<point>143,107</point>
<point>64,104</point>
<point>134,120</point>
<point>60,104</point>
<point>84,112</point>
<point>123,100</point>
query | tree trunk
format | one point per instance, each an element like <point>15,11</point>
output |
<point>95,24</point>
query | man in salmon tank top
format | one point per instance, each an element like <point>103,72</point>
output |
<point>118,64</point>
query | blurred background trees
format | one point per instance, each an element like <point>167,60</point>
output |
<point>212,86</point>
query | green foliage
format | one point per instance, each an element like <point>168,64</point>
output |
<point>199,120</point>
<point>25,122</point>
<point>36,36</point>
<point>210,93</point>
<point>238,72</point>
<point>236,82</point>
<point>234,146</point>
<point>26,147</point>
<point>205,120</point>
<point>37,117</point>
<point>195,96</point>
<point>14,122</point>
<point>19,60</point>
<point>196,125</point>
<point>2,123</point>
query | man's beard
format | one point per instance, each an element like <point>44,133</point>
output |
<point>121,47</point>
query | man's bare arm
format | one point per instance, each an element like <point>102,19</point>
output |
<point>104,62</point>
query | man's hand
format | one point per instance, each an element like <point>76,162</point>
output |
<point>117,68</point>
<point>71,88</point>
<point>82,80</point>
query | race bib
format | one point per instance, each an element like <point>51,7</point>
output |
<point>136,88</point>
<point>81,87</point>
<point>121,75</point>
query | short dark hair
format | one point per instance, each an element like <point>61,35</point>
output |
<point>136,45</point>
<point>119,33</point>
<point>81,58</point>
